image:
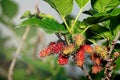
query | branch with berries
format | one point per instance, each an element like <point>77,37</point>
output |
<point>77,48</point>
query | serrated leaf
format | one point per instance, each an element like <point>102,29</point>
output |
<point>103,6</point>
<point>9,8</point>
<point>64,7</point>
<point>81,3</point>
<point>47,24</point>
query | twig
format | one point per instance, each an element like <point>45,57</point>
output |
<point>12,65</point>
<point>85,72</point>
<point>59,37</point>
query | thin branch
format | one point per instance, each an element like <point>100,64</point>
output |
<point>59,37</point>
<point>85,72</point>
<point>12,65</point>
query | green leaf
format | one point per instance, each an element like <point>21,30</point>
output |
<point>115,12</point>
<point>51,3</point>
<point>117,64</point>
<point>97,32</point>
<point>81,3</point>
<point>103,6</point>
<point>90,12</point>
<point>96,19</point>
<point>117,29</point>
<point>26,14</point>
<point>47,24</point>
<point>45,16</point>
<point>64,7</point>
<point>115,24</point>
<point>9,8</point>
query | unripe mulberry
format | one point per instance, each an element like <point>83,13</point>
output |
<point>79,39</point>
<point>80,55</point>
<point>62,60</point>
<point>69,49</point>
<point>101,51</point>
<point>88,48</point>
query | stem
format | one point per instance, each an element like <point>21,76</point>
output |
<point>66,40</point>
<point>12,65</point>
<point>85,72</point>
<point>66,24</point>
<point>80,12</point>
<point>59,37</point>
<point>85,29</point>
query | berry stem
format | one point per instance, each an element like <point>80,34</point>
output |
<point>85,29</point>
<point>66,40</point>
<point>59,37</point>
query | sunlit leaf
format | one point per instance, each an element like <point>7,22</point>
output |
<point>81,3</point>
<point>103,6</point>
<point>47,24</point>
<point>64,7</point>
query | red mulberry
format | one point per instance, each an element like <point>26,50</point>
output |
<point>80,57</point>
<point>45,52</point>
<point>62,60</point>
<point>96,69</point>
<point>88,48</point>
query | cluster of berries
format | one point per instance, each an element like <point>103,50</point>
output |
<point>77,50</point>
